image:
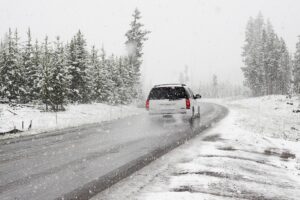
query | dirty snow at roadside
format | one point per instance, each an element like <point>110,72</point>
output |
<point>75,115</point>
<point>254,153</point>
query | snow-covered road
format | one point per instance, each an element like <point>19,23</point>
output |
<point>78,161</point>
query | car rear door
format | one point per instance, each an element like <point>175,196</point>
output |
<point>167,100</point>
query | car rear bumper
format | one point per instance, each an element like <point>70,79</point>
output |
<point>170,113</point>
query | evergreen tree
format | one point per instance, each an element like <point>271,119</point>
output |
<point>11,71</point>
<point>264,70</point>
<point>98,76</point>
<point>77,61</point>
<point>136,37</point>
<point>273,56</point>
<point>3,68</point>
<point>59,77</point>
<point>30,70</point>
<point>284,70</point>
<point>127,82</point>
<point>296,68</point>
<point>35,92</point>
<point>110,78</point>
<point>121,82</point>
<point>107,82</point>
<point>93,72</point>
<point>252,55</point>
<point>20,78</point>
<point>46,74</point>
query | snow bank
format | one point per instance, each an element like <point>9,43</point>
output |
<point>75,115</point>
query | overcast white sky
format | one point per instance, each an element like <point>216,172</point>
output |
<point>206,35</point>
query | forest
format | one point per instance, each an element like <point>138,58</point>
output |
<point>56,73</point>
<point>269,66</point>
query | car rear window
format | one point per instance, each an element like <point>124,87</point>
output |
<point>168,93</point>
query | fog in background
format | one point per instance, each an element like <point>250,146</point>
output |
<point>205,35</point>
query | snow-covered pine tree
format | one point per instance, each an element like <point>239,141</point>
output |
<point>37,76</point>
<point>296,68</point>
<point>120,79</point>
<point>111,80</point>
<point>77,61</point>
<point>125,71</point>
<point>131,80</point>
<point>259,56</point>
<point>11,71</point>
<point>30,70</point>
<point>284,70</point>
<point>59,76</point>
<point>103,81</point>
<point>20,78</point>
<point>273,56</point>
<point>252,55</point>
<point>3,68</point>
<point>72,70</point>
<point>45,74</point>
<point>82,56</point>
<point>263,70</point>
<point>136,36</point>
<point>94,65</point>
<point>291,67</point>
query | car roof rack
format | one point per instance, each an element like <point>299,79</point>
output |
<point>171,84</point>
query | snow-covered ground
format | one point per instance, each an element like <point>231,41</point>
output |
<point>254,153</point>
<point>270,116</point>
<point>75,115</point>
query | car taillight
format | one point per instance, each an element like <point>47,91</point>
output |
<point>188,103</point>
<point>147,104</point>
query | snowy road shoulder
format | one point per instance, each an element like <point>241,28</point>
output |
<point>227,162</point>
<point>74,116</point>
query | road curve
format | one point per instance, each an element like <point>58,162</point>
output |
<point>78,163</point>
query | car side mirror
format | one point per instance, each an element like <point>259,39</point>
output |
<point>197,96</point>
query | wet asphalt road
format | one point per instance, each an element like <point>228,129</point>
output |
<point>78,163</point>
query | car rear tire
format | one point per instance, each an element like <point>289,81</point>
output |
<point>193,113</point>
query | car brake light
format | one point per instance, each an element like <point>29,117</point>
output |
<point>147,104</point>
<point>188,103</point>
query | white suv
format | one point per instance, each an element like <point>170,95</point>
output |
<point>173,99</point>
